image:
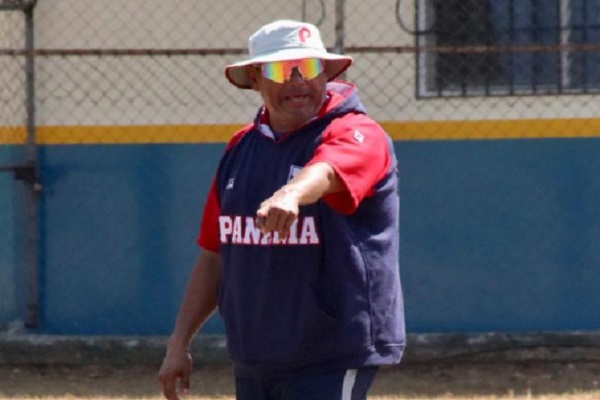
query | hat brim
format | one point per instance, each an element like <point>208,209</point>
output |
<point>335,64</point>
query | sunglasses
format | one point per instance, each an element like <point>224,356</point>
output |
<point>281,71</point>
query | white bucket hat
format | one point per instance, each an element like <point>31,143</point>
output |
<point>286,40</point>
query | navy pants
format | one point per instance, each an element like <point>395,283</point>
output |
<point>350,384</point>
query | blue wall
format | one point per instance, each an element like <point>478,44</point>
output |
<point>501,235</point>
<point>12,220</point>
<point>496,235</point>
<point>119,230</point>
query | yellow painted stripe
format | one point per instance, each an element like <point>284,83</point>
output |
<point>494,129</point>
<point>13,135</point>
<point>220,133</point>
<point>135,134</point>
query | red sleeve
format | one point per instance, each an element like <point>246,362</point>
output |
<point>208,238</point>
<point>356,147</point>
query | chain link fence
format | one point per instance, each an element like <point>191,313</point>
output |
<point>151,71</point>
<point>12,77</point>
<point>158,63</point>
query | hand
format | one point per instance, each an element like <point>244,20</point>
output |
<point>176,365</point>
<point>278,213</point>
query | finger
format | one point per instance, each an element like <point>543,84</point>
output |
<point>264,218</point>
<point>261,216</point>
<point>260,222</point>
<point>282,223</point>
<point>262,211</point>
<point>285,230</point>
<point>169,388</point>
<point>185,384</point>
<point>272,221</point>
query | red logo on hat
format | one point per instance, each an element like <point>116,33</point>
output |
<point>304,34</point>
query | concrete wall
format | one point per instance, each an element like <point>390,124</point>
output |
<point>497,235</point>
<point>12,223</point>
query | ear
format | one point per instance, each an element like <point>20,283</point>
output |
<point>253,75</point>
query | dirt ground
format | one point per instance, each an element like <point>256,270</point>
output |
<point>560,381</point>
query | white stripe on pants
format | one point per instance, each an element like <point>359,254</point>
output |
<point>349,380</point>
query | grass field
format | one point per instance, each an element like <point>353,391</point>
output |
<point>450,381</point>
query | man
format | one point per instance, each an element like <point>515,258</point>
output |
<point>299,237</point>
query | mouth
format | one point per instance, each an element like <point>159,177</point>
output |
<point>295,97</point>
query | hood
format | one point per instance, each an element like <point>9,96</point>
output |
<point>344,99</point>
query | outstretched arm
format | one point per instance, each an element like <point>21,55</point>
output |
<point>278,212</point>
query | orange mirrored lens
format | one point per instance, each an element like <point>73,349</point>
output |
<point>281,71</point>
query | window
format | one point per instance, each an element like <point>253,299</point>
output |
<point>508,47</point>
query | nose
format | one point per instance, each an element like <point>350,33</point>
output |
<point>296,76</point>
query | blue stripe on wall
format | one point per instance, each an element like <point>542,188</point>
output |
<point>496,235</point>
<point>12,223</point>
<point>119,234</point>
<point>501,236</point>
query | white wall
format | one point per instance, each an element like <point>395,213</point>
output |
<point>192,90</point>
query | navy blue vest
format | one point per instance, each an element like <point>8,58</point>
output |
<point>326,297</point>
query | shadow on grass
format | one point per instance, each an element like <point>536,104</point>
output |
<point>438,380</point>
<point>103,381</point>
<point>500,379</point>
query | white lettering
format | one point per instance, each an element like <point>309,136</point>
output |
<point>236,237</point>
<point>293,236</point>
<point>266,239</point>
<point>309,232</point>
<point>252,233</point>
<point>242,230</point>
<point>225,226</point>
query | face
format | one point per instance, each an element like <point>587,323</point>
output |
<point>290,104</point>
